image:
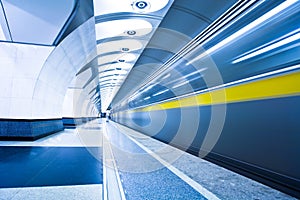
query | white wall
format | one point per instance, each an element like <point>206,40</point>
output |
<point>35,79</point>
<point>20,65</point>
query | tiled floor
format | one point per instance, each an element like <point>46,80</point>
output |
<point>66,165</point>
<point>144,178</point>
<point>104,160</point>
<point>73,192</point>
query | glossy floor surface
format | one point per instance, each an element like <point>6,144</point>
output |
<point>66,165</point>
<point>150,169</point>
<point>105,160</point>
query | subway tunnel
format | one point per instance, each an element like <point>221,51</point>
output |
<point>149,99</point>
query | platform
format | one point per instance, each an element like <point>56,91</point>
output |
<point>105,160</point>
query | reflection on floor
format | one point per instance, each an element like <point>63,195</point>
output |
<point>105,160</point>
<point>149,169</point>
<point>67,165</point>
<point>49,166</point>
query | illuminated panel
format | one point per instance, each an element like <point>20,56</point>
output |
<point>102,7</point>
<point>124,66</point>
<point>117,57</point>
<point>124,27</point>
<point>119,45</point>
<point>113,72</point>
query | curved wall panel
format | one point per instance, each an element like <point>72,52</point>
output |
<point>73,53</point>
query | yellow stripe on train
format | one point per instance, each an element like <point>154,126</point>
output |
<point>274,87</point>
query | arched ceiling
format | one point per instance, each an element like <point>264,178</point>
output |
<point>134,38</point>
<point>123,29</point>
<point>184,21</point>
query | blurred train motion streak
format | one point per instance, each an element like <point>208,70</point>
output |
<point>257,104</point>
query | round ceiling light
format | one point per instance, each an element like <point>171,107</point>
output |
<point>148,5</point>
<point>131,32</point>
<point>141,6</point>
<point>124,49</point>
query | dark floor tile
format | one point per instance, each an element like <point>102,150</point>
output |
<point>50,166</point>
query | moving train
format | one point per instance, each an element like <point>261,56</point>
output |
<point>228,92</point>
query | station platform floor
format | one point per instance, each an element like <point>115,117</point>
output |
<point>105,160</point>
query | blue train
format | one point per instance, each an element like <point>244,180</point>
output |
<point>230,95</point>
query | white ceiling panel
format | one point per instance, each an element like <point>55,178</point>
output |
<point>124,27</point>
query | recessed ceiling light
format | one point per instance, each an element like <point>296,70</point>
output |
<point>124,49</point>
<point>141,6</point>
<point>131,32</point>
